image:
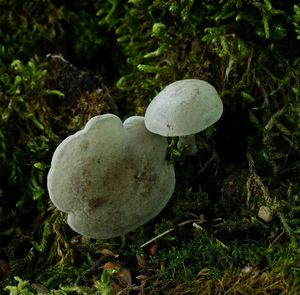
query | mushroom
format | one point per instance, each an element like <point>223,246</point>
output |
<point>182,109</point>
<point>110,177</point>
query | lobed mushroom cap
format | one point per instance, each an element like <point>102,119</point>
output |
<point>183,108</point>
<point>110,177</point>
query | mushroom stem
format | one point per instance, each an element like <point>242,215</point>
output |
<point>188,142</point>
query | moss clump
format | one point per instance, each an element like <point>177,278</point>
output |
<point>210,237</point>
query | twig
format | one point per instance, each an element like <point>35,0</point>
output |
<point>170,230</point>
<point>157,237</point>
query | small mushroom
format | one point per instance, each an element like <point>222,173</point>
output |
<point>110,177</point>
<point>182,109</point>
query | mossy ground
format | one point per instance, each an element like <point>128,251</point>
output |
<point>121,53</point>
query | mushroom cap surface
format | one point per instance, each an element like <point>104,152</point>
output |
<point>184,107</point>
<point>110,177</point>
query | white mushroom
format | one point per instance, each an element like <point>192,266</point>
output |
<point>111,177</point>
<point>182,109</point>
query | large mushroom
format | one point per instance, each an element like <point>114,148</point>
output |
<point>110,177</point>
<point>182,109</point>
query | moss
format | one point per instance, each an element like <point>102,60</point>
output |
<point>114,56</point>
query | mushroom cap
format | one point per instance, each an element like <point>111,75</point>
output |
<point>110,177</point>
<point>183,108</point>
